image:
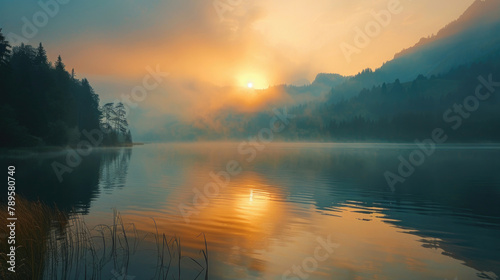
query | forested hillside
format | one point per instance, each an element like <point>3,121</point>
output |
<point>43,104</point>
<point>406,111</point>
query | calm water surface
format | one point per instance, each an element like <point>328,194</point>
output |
<point>443,222</point>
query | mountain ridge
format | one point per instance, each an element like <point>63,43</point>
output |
<point>478,13</point>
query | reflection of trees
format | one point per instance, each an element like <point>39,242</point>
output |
<point>36,180</point>
<point>56,243</point>
<point>114,167</point>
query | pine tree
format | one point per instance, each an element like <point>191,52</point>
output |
<point>384,88</point>
<point>108,115</point>
<point>41,56</point>
<point>121,124</point>
<point>60,65</point>
<point>397,88</point>
<point>4,49</point>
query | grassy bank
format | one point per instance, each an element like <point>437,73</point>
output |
<point>51,244</point>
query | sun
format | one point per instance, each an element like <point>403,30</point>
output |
<point>251,81</point>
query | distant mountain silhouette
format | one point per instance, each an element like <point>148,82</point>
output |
<point>329,79</point>
<point>317,90</point>
<point>478,14</point>
<point>400,101</point>
<point>473,37</point>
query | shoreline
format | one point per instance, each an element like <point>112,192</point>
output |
<point>30,151</point>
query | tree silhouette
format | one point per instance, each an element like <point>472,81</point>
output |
<point>114,118</point>
<point>4,49</point>
<point>41,56</point>
<point>45,105</point>
<point>60,67</point>
<point>121,123</point>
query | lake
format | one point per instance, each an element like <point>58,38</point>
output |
<point>288,210</point>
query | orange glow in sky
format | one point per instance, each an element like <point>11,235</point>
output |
<point>264,42</point>
<point>253,45</point>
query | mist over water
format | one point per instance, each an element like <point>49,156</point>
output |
<point>441,223</point>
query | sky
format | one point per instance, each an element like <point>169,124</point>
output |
<point>210,47</point>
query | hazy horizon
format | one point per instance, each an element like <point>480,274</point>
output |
<point>213,51</point>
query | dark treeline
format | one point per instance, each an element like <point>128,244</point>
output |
<point>407,111</point>
<point>394,111</point>
<point>43,104</point>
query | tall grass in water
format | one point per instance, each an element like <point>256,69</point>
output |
<point>34,222</point>
<point>53,245</point>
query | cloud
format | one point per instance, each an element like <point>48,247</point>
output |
<point>260,41</point>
